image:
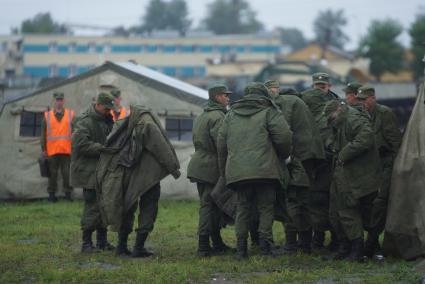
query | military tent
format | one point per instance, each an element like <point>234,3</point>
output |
<point>175,102</point>
<point>405,226</point>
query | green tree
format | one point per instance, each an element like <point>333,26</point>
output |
<point>42,23</point>
<point>328,27</point>
<point>417,34</point>
<point>380,45</point>
<point>292,37</point>
<point>231,17</point>
<point>163,15</point>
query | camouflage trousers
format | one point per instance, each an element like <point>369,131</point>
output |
<point>209,213</point>
<point>298,209</point>
<point>91,218</point>
<point>58,163</point>
<point>148,211</point>
<point>249,194</point>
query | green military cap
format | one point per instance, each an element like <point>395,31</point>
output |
<point>105,99</point>
<point>365,92</point>
<point>218,90</point>
<point>116,93</point>
<point>320,78</point>
<point>289,91</point>
<point>331,106</point>
<point>352,87</point>
<point>271,84</point>
<point>58,95</point>
<point>256,88</point>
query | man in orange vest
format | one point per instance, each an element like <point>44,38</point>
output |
<point>56,145</point>
<point>119,112</point>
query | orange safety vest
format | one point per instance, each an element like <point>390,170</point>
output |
<point>58,133</point>
<point>123,113</point>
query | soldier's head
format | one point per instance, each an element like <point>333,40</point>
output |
<point>366,96</point>
<point>220,94</point>
<point>351,92</point>
<point>104,103</point>
<point>332,110</point>
<point>59,100</point>
<point>114,91</point>
<point>273,87</point>
<point>321,81</point>
<point>256,88</point>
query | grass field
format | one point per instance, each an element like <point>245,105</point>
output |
<point>40,243</point>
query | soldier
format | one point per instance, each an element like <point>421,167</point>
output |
<point>128,177</point>
<point>252,142</point>
<point>203,169</point>
<point>88,140</point>
<point>119,111</point>
<point>388,139</point>
<point>355,178</point>
<point>320,173</point>
<point>351,92</point>
<point>56,131</point>
<point>306,149</point>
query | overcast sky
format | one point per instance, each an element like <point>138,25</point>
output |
<point>273,13</point>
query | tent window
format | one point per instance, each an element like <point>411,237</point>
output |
<point>179,129</point>
<point>30,125</point>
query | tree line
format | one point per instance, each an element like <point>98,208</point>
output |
<point>380,44</point>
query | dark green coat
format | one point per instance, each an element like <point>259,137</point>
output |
<point>387,134</point>
<point>203,165</point>
<point>253,140</point>
<point>88,139</point>
<point>139,157</point>
<point>354,146</point>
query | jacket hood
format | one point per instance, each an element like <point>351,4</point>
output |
<point>212,105</point>
<point>251,104</point>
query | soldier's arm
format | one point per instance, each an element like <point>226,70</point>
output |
<point>279,132</point>
<point>43,139</point>
<point>364,139</point>
<point>391,131</point>
<point>222,147</point>
<point>215,127</point>
<point>81,140</point>
<point>302,128</point>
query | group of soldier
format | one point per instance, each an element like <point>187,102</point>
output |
<point>310,160</point>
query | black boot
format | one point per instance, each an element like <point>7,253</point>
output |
<point>241,249</point>
<point>139,249</point>
<point>344,249</point>
<point>371,245</point>
<point>87,246</point>
<point>291,244</point>
<point>318,240</point>
<point>122,247</point>
<point>218,246</point>
<point>102,240</point>
<point>52,197</point>
<point>68,196</point>
<point>304,241</point>
<point>334,244</point>
<point>356,253</point>
<point>204,249</point>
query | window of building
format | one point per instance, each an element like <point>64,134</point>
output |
<point>179,128</point>
<point>53,46</point>
<point>30,125</point>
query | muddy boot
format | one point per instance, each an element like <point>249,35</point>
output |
<point>139,249</point>
<point>241,249</point>
<point>52,197</point>
<point>68,196</point>
<point>318,240</point>
<point>356,253</point>
<point>218,246</point>
<point>87,246</point>
<point>291,244</point>
<point>122,247</point>
<point>304,242</point>
<point>102,240</point>
<point>204,249</point>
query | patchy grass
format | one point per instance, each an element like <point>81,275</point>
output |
<point>40,242</point>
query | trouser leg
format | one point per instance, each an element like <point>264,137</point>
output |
<point>54,163</point>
